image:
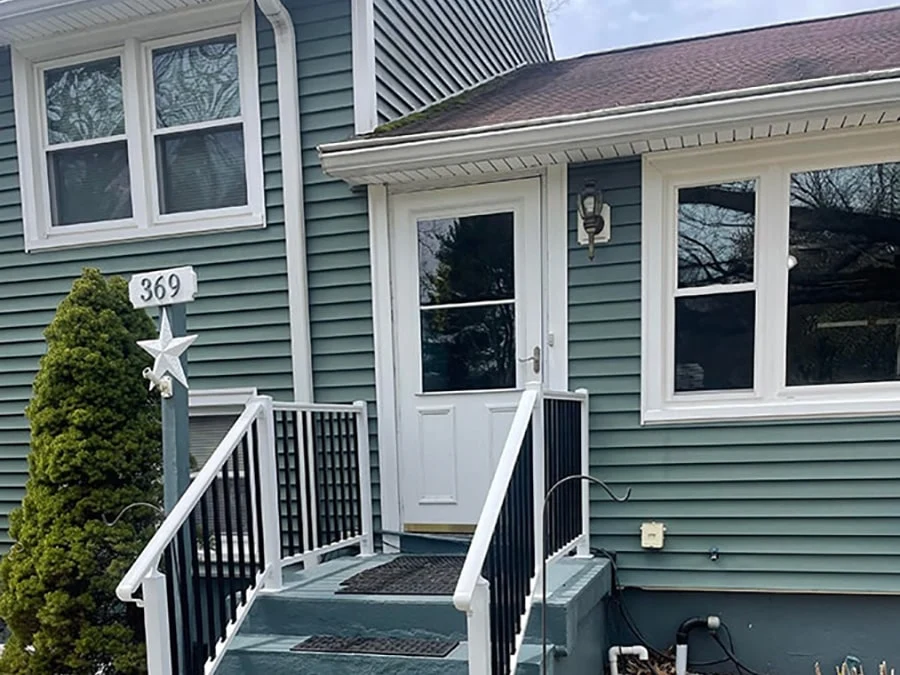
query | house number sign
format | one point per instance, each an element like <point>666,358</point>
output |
<point>163,287</point>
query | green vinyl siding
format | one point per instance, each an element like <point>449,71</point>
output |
<point>428,51</point>
<point>801,505</point>
<point>337,221</point>
<point>241,312</point>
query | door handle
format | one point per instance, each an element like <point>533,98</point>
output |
<point>535,359</point>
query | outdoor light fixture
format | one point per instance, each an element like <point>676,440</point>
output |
<point>593,217</point>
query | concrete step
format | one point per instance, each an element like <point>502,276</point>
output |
<point>358,615</point>
<point>310,605</point>
<point>272,655</point>
<point>577,591</point>
<point>435,544</point>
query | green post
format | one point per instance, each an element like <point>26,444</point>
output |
<point>175,423</point>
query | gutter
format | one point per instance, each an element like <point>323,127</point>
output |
<point>378,155</point>
<point>292,192</point>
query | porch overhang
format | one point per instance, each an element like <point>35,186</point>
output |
<point>29,20</point>
<point>841,102</point>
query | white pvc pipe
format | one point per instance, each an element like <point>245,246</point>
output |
<point>681,654</point>
<point>616,651</point>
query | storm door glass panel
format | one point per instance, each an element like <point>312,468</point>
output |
<point>199,131</point>
<point>844,288</point>
<point>715,297</point>
<point>87,154</point>
<point>467,302</point>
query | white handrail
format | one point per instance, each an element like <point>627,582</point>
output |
<point>484,530</point>
<point>149,558</point>
<point>317,407</point>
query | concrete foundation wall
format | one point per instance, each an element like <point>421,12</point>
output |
<point>779,634</point>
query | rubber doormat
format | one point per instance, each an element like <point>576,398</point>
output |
<point>408,575</point>
<point>385,646</point>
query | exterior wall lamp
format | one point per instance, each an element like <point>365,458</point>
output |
<point>593,217</point>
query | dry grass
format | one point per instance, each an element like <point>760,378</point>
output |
<point>847,669</point>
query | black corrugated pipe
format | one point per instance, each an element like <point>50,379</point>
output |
<point>711,623</point>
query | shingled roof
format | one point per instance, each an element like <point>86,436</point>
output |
<point>728,62</point>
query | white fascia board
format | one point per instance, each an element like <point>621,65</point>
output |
<point>364,157</point>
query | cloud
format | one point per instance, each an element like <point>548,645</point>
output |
<point>635,16</point>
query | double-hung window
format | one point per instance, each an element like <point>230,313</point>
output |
<point>771,280</point>
<point>153,132</point>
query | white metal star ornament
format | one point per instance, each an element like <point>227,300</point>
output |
<point>166,351</point>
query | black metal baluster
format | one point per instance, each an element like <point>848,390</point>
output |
<point>248,491</point>
<point>506,597</point>
<point>334,447</point>
<point>229,540</point>
<point>182,579</point>
<point>299,462</point>
<point>494,592</point>
<point>344,475</point>
<point>322,495</point>
<point>561,460</point>
<point>261,548</point>
<point>574,467</point>
<point>171,584</point>
<point>515,513</point>
<point>195,583</point>
<point>558,456</point>
<point>288,506</point>
<point>239,506</point>
<point>355,478</point>
<point>220,566</point>
<point>210,582</point>
<point>548,473</point>
<point>349,483</point>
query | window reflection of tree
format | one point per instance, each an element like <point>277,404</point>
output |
<point>84,101</point>
<point>201,169</point>
<point>196,83</point>
<point>90,182</point>
<point>715,234</point>
<point>844,296</point>
<point>844,292</point>
<point>462,261</point>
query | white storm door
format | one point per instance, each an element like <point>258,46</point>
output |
<point>467,315</point>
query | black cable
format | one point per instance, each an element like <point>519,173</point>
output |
<point>730,652</point>
<point>619,599</point>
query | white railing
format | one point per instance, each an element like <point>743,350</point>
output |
<point>547,441</point>
<point>323,452</point>
<point>225,540</point>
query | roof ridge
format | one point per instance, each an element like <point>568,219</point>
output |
<point>736,31</point>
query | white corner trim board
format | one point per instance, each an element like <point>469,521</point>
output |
<point>383,334</point>
<point>379,155</point>
<point>365,103</point>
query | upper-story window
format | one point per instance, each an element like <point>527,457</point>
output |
<point>772,280</point>
<point>149,136</point>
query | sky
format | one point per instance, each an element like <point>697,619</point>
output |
<point>581,26</point>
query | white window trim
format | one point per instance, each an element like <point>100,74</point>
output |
<point>771,162</point>
<point>132,42</point>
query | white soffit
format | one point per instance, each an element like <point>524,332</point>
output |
<point>28,20</point>
<point>468,154</point>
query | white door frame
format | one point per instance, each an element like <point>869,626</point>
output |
<point>554,281</point>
